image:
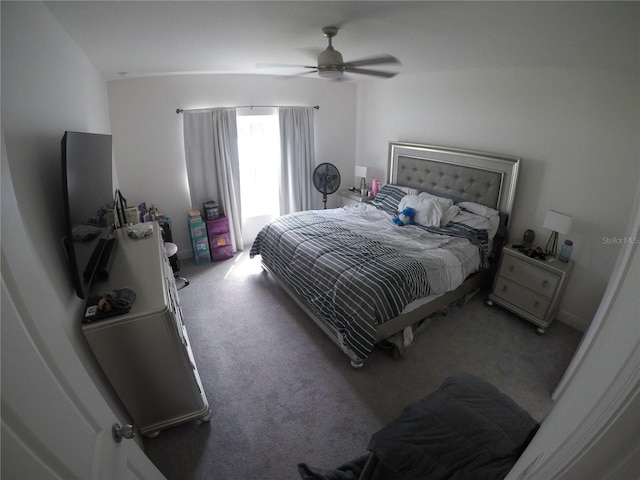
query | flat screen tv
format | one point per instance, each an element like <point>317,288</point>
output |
<point>88,197</point>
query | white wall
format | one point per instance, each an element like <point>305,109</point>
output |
<point>593,430</point>
<point>148,137</point>
<point>577,132</point>
<point>48,86</point>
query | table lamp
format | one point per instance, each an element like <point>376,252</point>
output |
<point>361,171</point>
<point>558,223</point>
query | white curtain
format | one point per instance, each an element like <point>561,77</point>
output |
<point>298,158</point>
<point>211,150</point>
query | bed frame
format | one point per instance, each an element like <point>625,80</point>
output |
<point>461,175</point>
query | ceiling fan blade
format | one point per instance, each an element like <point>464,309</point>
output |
<point>289,76</point>
<point>379,60</point>
<point>366,71</point>
<point>283,65</point>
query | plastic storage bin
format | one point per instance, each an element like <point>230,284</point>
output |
<point>199,242</point>
<point>219,239</point>
<point>211,210</point>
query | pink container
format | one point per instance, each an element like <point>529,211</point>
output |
<point>375,187</point>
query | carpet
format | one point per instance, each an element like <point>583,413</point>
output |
<point>282,393</point>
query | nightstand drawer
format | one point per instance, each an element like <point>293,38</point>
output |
<point>537,279</point>
<point>537,305</point>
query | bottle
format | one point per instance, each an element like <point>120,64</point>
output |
<point>565,251</point>
<point>375,186</point>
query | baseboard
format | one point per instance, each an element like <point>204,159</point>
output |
<point>567,318</point>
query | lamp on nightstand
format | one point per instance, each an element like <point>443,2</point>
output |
<point>558,223</point>
<point>361,171</point>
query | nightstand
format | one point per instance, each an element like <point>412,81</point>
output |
<point>347,197</point>
<point>529,287</point>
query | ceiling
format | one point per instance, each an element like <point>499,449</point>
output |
<point>141,38</point>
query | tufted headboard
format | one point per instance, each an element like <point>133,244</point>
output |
<point>462,175</point>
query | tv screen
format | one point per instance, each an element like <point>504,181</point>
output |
<point>88,202</point>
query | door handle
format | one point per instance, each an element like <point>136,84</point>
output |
<point>122,432</point>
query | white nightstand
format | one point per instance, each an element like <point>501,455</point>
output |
<point>347,197</point>
<point>530,287</point>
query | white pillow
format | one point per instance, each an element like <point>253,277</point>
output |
<point>486,212</point>
<point>445,202</point>
<point>428,211</point>
<point>472,220</point>
<point>449,214</point>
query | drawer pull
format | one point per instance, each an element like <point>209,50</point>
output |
<point>511,268</point>
<point>536,304</point>
<point>504,289</point>
<point>545,283</point>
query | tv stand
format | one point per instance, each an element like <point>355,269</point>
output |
<point>146,353</point>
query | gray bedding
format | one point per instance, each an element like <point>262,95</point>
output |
<point>466,430</point>
<point>357,269</point>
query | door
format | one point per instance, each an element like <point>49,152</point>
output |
<point>55,423</point>
<point>51,429</point>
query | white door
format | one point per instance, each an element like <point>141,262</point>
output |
<point>51,429</point>
<point>55,423</point>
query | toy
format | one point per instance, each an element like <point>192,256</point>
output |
<point>405,217</point>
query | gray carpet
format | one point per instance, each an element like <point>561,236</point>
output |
<point>282,393</point>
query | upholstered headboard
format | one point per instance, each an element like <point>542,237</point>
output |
<point>462,175</point>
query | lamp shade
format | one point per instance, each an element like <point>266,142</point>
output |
<point>361,171</point>
<point>558,222</point>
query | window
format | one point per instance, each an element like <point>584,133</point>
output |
<point>259,158</point>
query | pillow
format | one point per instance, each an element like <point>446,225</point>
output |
<point>446,202</point>
<point>449,215</point>
<point>407,190</point>
<point>388,198</point>
<point>478,209</point>
<point>428,211</point>
<point>475,221</point>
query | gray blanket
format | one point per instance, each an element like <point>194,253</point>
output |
<point>467,429</point>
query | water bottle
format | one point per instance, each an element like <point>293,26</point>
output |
<point>375,186</point>
<point>565,251</point>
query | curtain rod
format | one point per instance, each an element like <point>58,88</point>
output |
<point>316,107</point>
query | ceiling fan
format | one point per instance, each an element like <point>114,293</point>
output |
<point>331,65</point>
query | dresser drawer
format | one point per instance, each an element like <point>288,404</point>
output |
<point>511,292</point>
<point>537,279</point>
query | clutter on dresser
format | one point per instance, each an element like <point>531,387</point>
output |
<point>140,230</point>
<point>111,303</point>
<point>532,252</point>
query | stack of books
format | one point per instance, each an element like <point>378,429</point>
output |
<point>195,216</point>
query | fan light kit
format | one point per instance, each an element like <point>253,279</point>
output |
<point>331,65</point>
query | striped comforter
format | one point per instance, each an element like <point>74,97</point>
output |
<point>358,269</point>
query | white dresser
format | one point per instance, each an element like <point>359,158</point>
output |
<point>146,354</point>
<point>530,287</point>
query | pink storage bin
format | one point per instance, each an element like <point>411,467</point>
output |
<point>218,226</point>
<point>221,240</point>
<point>221,253</point>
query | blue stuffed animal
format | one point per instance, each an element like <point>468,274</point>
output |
<point>405,217</point>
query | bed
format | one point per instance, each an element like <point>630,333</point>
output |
<point>361,277</point>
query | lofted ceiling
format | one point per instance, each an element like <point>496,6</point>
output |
<point>141,38</point>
